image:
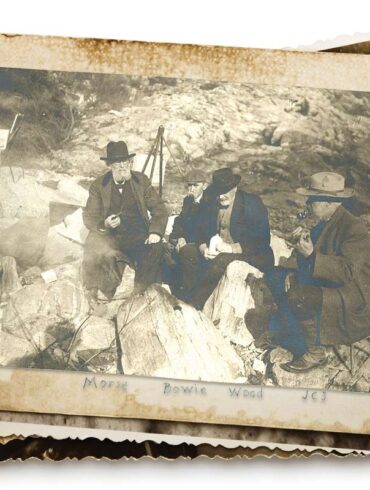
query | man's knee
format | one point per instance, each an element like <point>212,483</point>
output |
<point>188,252</point>
<point>156,249</point>
<point>304,300</point>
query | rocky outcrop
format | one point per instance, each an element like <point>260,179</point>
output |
<point>163,337</point>
<point>45,313</point>
<point>230,301</point>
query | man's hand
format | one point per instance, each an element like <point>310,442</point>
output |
<point>204,250</point>
<point>304,245</point>
<point>112,221</point>
<point>224,247</point>
<point>181,242</point>
<point>152,238</point>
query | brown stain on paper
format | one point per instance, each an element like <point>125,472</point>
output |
<point>34,391</point>
<point>61,393</point>
<point>287,68</point>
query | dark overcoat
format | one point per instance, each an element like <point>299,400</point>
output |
<point>186,223</point>
<point>249,226</point>
<point>147,199</point>
<point>342,256</point>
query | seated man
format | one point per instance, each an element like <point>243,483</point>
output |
<point>241,222</point>
<point>121,232</point>
<point>184,234</point>
<point>323,289</point>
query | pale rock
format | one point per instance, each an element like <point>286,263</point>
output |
<point>317,378</point>
<point>15,351</point>
<point>280,356</point>
<point>43,313</point>
<point>231,300</point>
<point>72,191</point>
<point>22,196</point>
<point>161,336</point>
<point>73,227</point>
<point>59,250</point>
<point>123,291</point>
<point>95,345</point>
<point>25,240</point>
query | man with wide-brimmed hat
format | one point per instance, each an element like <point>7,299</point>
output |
<point>323,289</point>
<point>233,225</point>
<point>121,231</point>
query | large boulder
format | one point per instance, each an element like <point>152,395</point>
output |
<point>230,301</point>
<point>44,313</point>
<point>58,250</point>
<point>21,195</point>
<point>25,240</point>
<point>94,346</point>
<point>242,296</point>
<point>161,336</point>
<point>15,351</point>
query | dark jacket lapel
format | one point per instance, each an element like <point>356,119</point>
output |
<point>237,215</point>
<point>106,193</point>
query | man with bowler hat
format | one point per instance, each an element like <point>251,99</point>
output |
<point>323,289</point>
<point>240,221</point>
<point>121,231</point>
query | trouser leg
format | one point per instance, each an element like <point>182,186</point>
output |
<point>213,272</point>
<point>188,270</point>
<point>103,264</point>
<point>305,301</point>
<point>148,260</point>
<point>283,323</point>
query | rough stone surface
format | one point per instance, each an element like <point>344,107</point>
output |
<point>335,375</point>
<point>14,351</point>
<point>43,313</point>
<point>59,250</point>
<point>167,338</point>
<point>94,347</point>
<point>230,301</point>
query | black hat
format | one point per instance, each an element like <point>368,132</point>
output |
<point>117,152</point>
<point>223,180</point>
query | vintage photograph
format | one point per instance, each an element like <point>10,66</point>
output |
<point>186,229</point>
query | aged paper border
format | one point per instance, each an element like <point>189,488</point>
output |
<point>121,396</point>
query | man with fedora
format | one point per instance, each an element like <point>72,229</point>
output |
<point>324,287</point>
<point>121,232</point>
<point>184,235</point>
<point>239,222</point>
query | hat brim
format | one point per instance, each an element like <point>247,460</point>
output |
<point>117,158</point>
<point>218,190</point>
<point>302,191</point>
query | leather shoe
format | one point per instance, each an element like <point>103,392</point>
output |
<point>268,340</point>
<point>312,359</point>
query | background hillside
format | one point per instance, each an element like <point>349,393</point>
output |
<point>273,136</point>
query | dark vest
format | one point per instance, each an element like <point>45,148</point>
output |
<point>125,205</point>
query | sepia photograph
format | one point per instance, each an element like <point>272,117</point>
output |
<point>186,229</point>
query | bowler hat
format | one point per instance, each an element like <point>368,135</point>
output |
<point>117,152</point>
<point>195,176</point>
<point>223,180</point>
<point>328,184</point>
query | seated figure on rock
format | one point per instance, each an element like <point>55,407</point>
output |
<point>233,225</point>
<point>120,231</point>
<point>322,290</point>
<point>184,235</point>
